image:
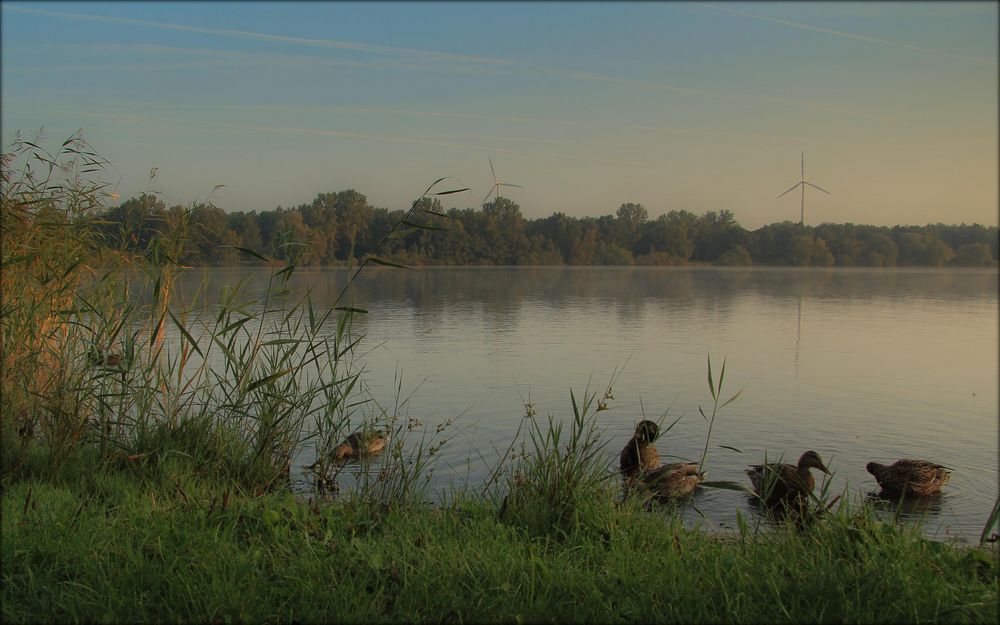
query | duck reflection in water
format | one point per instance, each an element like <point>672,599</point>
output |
<point>906,506</point>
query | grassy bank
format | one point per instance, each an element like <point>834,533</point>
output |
<point>106,546</point>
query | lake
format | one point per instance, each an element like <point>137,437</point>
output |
<point>857,364</point>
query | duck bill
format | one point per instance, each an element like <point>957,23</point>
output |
<point>822,467</point>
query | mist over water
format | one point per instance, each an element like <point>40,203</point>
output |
<point>857,364</point>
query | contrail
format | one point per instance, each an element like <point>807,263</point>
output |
<point>865,38</point>
<point>321,43</point>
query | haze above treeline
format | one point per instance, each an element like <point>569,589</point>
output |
<point>340,225</point>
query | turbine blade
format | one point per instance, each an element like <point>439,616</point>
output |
<point>815,187</point>
<point>493,171</point>
<point>802,162</point>
<point>487,196</point>
<point>507,184</point>
<point>794,186</point>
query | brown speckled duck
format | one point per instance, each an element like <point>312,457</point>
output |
<point>778,482</point>
<point>640,461</point>
<point>359,444</point>
<point>639,454</point>
<point>674,480</point>
<point>910,477</point>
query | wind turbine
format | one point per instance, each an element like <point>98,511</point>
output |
<point>803,182</point>
<point>496,185</point>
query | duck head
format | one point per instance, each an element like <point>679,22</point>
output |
<point>811,460</point>
<point>647,431</point>
<point>875,468</point>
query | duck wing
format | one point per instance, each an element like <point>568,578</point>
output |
<point>674,480</point>
<point>917,476</point>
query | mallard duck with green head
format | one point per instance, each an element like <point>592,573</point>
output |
<point>781,482</point>
<point>910,477</point>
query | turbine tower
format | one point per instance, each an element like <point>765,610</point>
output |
<point>802,183</point>
<point>496,185</point>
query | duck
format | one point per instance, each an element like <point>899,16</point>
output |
<point>780,482</point>
<point>910,477</point>
<point>639,454</point>
<point>640,461</point>
<point>101,358</point>
<point>360,443</point>
<point>676,479</point>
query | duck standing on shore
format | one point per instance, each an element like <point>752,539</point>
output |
<point>779,482</point>
<point>910,477</point>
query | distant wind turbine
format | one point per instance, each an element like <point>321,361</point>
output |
<point>803,182</point>
<point>496,185</point>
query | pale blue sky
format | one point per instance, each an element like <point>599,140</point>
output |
<point>587,105</point>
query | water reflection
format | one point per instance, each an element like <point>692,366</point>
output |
<point>906,507</point>
<point>502,289</point>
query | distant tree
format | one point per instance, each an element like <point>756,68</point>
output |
<point>956,236</point>
<point>559,229</point>
<point>246,228</point>
<point>612,254</point>
<point>292,232</point>
<point>135,222</point>
<point>772,244</point>
<point>809,250</point>
<point>583,249</point>
<point>736,256</point>
<point>632,214</point>
<point>923,248</point>
<point>630,217</point>
<point>973,255</point>
<point>267,223</point>
<point>213,239</point>
<point>843,242</point>
<point>320,217</point>
<point>715,232</point>
<point>504,231</point>
<point>340,224</point>
<point>353,215</point>
<point>879,250</point>
<point>671,234</point>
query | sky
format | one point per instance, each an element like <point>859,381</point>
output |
<point>672,105</point>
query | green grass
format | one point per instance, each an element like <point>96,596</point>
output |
<point>110,547</point>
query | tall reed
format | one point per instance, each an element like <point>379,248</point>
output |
<point>562,481</point>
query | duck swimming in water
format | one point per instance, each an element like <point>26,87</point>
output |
<point>639,454</point>
<point>359,444</point>
<point>779,482</point>
<point>910,477</point>
<point>674,480</point>
<point>640,461</point>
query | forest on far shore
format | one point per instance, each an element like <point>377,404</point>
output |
<point>341,225</point>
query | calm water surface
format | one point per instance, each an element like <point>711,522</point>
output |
<point>857,364</point>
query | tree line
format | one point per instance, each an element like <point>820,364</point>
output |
<point>343,225</point>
